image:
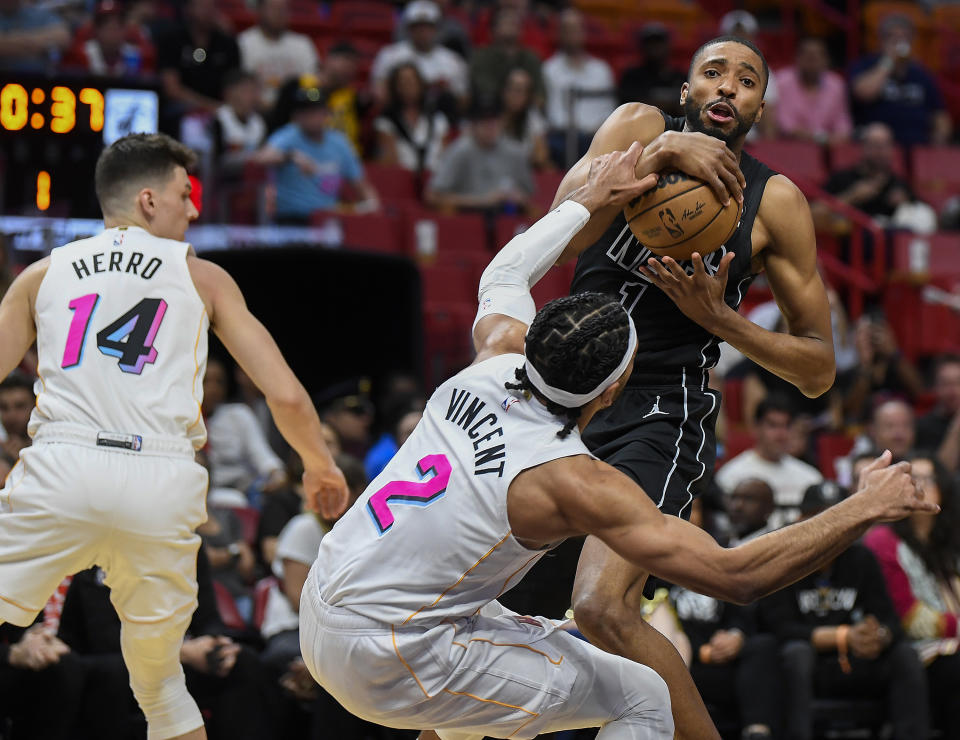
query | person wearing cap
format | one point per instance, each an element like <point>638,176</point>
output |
<point>398,616</point>
<point>892,87</point>
<point>840,637</point>
<point>444,70</point>
<point>482,170</point>
<point>655,80</point>
<point>273,52</point>
<point>313,161</point>
<point>30,36</point>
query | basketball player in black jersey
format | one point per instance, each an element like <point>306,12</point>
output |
<point>661,431</point>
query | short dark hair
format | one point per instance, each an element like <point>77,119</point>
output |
<point>15,380</point>
<point>574,343</point>
<point>236,77</point>
<point>136,160</point>
<point>736,40</point>
<point>774,402</point>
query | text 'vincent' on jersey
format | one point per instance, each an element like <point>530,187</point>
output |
<point>668,340</point>
<point>445,492</point>
<point>121,337</point>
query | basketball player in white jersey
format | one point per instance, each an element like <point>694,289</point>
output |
<point>398,615</point>
<point>121,322</point>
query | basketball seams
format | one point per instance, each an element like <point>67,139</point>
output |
<point>672,197</point>
<point>703,228</point>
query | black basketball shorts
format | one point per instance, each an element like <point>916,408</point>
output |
<point>663,437</point>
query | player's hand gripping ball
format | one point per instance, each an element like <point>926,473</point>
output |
<point>680,216</point>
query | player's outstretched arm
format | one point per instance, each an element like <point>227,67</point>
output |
<point>699,155</point>
<point>251,345</point>
<point>18,328</point>
<point>585,495</point>
<point>506,306</point>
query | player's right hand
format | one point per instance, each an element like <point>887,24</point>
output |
<point>326,492</point>
<point>703,157</point>
<point>890,490</point>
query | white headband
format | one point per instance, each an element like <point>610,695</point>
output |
<point>576,400</point>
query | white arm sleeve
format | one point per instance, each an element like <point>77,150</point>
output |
<point>505,284</point>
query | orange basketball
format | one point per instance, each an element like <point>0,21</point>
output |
<point>681,216</point>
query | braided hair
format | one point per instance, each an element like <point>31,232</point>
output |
<point>574,343</point>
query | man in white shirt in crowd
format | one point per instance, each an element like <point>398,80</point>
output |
<point>443,70</point>
<point>239,453</point>
<point>571,71</point>
<point>768,461</point>
<point>274,53</point>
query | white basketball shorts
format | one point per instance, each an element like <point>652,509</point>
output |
<point>496,674</point>
<point>71,503</point>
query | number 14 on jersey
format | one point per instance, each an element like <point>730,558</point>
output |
<point>128,338</point>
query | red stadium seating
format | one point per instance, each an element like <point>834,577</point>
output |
<point>448,285</point>
<point>830,446</point>
<point>733,401</point>
<point>554,284</point>
<point>936,173</point>
<point>227,608</point>
<point>364,19</point>
<point>373,232</point>
<point>795,159</point>
<point>261,593</point>
<point>249,521</point>
<point>393,183</point>
<point>943,255</point>
<point>462,232</point>
<point>846,154</point>
<point>545,187</point>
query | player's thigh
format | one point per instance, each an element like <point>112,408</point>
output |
<point>45,532</point>
<point>151,566</point>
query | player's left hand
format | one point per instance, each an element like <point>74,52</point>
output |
<point>326,492</point>
<point>700,295</point>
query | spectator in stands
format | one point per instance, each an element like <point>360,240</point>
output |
<point>749,507</point>
<point>445,71</point>
<point>41,684</point>
<point>451,30</point>
<point>193,60</point>
<point>410,134</point>
<point>491,65</point>
<point>743,24</point>
<point>240,456</point>
<point>31,37</point>
<point>891,87</point>
<point>224,677</point>
<point>296,551</point>
<point>483,169</point>
<point>573,73</point>
<point>237,129</point>
<point>920,559</point>
<point>522,121</point>
<point>813,105</point>
<point>890,426</point>
<point>736,670</point>
<point>109,53</point>
<point>346,408</point>
<point>313,162</point>
<point>841,637</point>
<point>939,430</point>
<point>655,81</point>
<point>768,460</point>
<point>16,404</point>
<point>348,102</point>
<point>871,186</point>
<point>274,53</point>
<point>882,368</point>
<point>401,413</point>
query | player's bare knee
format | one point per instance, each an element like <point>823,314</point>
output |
<point>601,621</point>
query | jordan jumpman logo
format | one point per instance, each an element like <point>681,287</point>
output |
<point>655,409</point>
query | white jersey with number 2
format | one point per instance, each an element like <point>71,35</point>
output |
<point>122,337</point>
<point>429,539</point>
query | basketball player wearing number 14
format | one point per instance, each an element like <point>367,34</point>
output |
<point>682,313</point>
<point>121,322</point>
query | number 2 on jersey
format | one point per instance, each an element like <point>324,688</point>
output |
<point>419,493</point>
<point>129,338</point>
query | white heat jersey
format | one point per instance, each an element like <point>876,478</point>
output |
<point>429,539</point>
<point>121,337</point>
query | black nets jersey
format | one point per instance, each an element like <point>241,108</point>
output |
<point>668,340</point>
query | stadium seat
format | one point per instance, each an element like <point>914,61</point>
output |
<point>448,347</point>
<point>733,401</point>
<point>545,187</point>
<point>393,183</point>
<point>249,521</point>
<point>943,249</point>
<point>364,19</point>
<point>555,284</point>
<point>227,608</point>
<point>372,232</point>
<point>468,262</point>
<point>936,173</point>
<point>428,232</point>
<point>795,159</point>
<point>923,327</point>
<point>443,284</point>
<point>508,227</point>
<point>261,593</point>
<point>846,154</point>
<point>737,441</point>
<point>830,446</point>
